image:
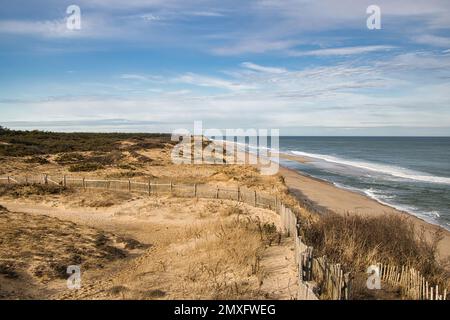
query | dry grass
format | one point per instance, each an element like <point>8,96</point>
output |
<point>102,199</point>
<point>223,262</point>
<point>197,251</point>
<point>358,242</point>
<point>219,258</point>
<point>30,190</point>
<point>37,249</point>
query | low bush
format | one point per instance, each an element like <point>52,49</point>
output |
<point>85,167</point>
<point>358,242</point>
<point>17,191</point>
<point>37,160</point>
<point>26,143</point>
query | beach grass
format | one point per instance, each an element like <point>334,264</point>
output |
<point>358,241</point>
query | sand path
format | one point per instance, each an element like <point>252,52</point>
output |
<point>155,270</point>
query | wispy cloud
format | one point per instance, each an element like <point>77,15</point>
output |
<point>268,63</point>
<point>344,51</point>
<point>256,67</point>
<point>207,81</point>
<point>258,46</point>
<point>133,77</point>
<point>433,40</point>
<point>46,28</point>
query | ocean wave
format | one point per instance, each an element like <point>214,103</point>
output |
<point>428,216</point>
<point>380,168</point>
<point>244,146</point>
<point>380,198</point>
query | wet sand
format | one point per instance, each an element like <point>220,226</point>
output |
<point>324,196</point>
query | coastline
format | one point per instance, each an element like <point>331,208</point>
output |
<point>324,196</point>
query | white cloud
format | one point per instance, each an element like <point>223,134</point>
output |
<point>344,51</point>
<point>133,77</point>
<point>245,46</point>
<point>48,28</point>
<point>206,13</point>
<point>207,81</point>
<point>253,27</point>
<point>256,67</point>
<point>92,26</point>
<point>435,64</point>
<point>343,95</point>
<point>433,40</point>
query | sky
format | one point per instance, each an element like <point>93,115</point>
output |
<point>306,67</point>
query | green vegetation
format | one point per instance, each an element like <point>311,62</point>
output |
<point>24,191</point>
<point>85,167</point>
<point>97,160</point>
<point>27,143</point>
<point>37,160</point>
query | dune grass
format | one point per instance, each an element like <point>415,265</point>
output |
<point>359,241</point>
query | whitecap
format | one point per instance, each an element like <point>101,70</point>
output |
<point>385,169</point>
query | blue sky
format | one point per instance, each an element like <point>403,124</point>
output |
<point>306,67</point>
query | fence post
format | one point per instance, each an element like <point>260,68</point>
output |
<point>217,193</point>
<point>310,264</point>
<point>149,187</point>
<point>171,187</point>
<point>129,185</point>
<point>195,190</point>
<point>255,198</point>
<point>64,181</point>
<point>346,286</point>
<point>300,268</point>
<point>84,184</point>
<point>46,179</point>
<point>9,180</point>
<point>238,193</point>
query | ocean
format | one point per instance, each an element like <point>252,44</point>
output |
<point>408,173</point>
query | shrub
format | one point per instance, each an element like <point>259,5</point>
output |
<point>17,190</point>
<point>69,158</point>
<point>25,143</point>
<point>358,242</point>
<point>36,159</point>
<point>85,167</point>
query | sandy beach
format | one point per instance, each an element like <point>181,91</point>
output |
<point>325,196</point>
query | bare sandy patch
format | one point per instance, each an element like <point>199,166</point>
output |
<point>35,251</point>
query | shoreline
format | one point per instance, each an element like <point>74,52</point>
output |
<point>321,196</point>
<point>304,159</point>
<point>360,192</point>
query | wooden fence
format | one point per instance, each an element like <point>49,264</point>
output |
<point>329,277</point>
<point>330,280</point>
<point>411,282</point>
<point>150,187</point>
